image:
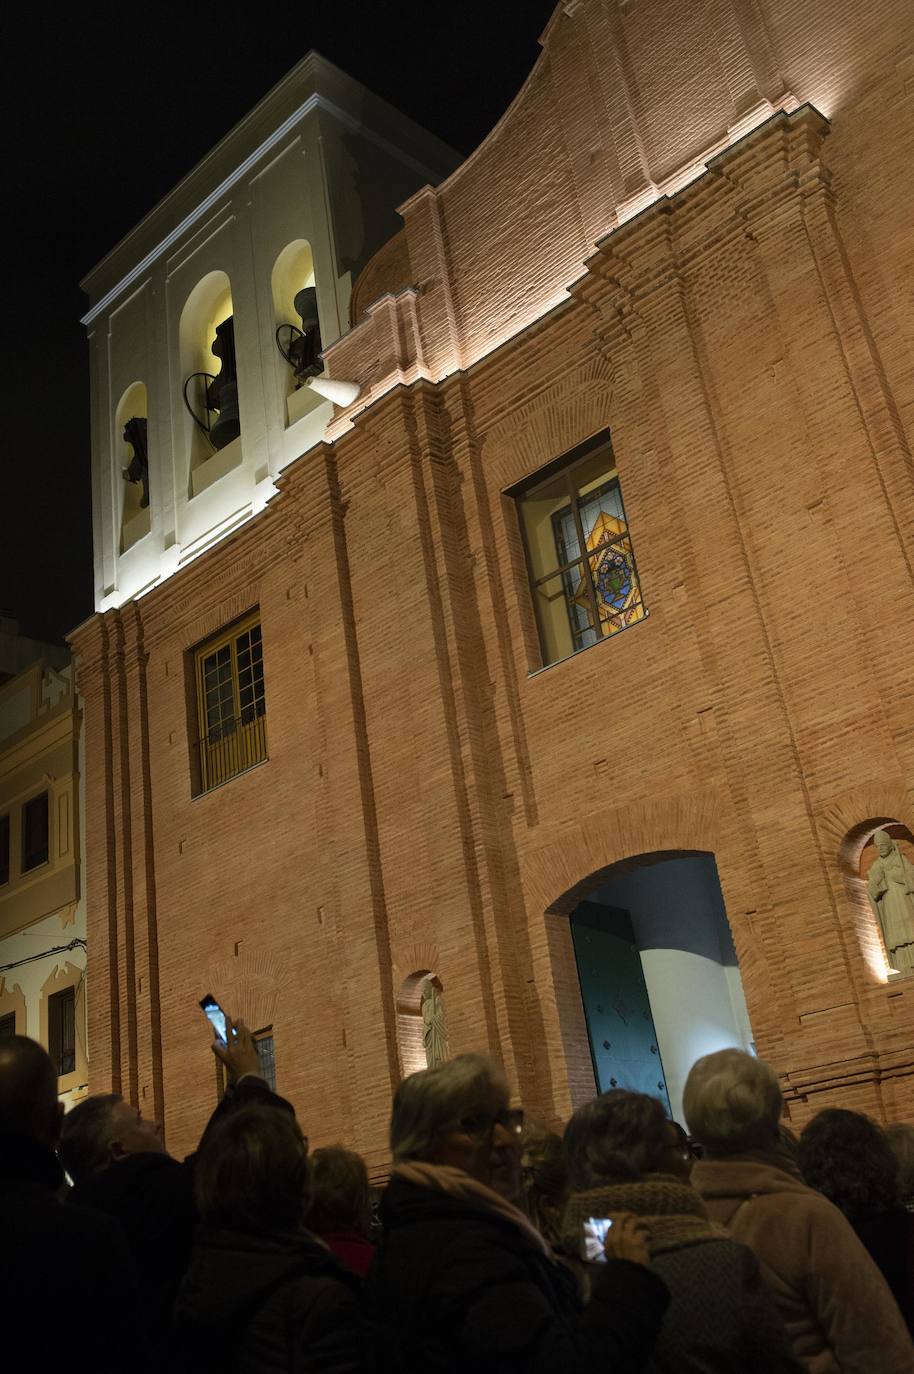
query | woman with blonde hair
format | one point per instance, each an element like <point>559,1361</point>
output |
<point>463,1280</point>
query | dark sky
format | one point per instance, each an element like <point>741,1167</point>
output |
<point>104,107</point>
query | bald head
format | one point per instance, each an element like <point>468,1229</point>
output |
<point>28,1091</point>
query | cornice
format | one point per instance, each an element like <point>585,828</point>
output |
<point>755,180</point>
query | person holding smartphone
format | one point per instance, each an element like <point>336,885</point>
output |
<point>463,1280</point>
<point>119,1165</point>
<point>623,1152</point>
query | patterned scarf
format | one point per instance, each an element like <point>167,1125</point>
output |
<point>460,1185</point>
<point>674,1212</point>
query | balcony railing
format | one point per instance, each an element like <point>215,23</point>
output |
<point>232,748</point>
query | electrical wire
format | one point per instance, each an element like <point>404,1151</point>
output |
<point>77,943</point>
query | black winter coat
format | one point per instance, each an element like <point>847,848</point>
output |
<point>151,1196</point>
<point>458,1288</point>
<point>266,1305</point>
<point>889,1237</point>
<point>55,1261</point>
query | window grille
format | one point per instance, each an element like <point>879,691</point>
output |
<point>579,553</point>
<point>231,705</point>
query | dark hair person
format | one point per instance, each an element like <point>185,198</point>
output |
<point>839,1312</point>
<point>261,1293</point>
<point>624,1154</point>
<point>47,1247</point>
<point>901,1138</point>
<point>463,1279</point>
<point>339,1210</point>
<point>119,1165</point>
<point>846,1156</point>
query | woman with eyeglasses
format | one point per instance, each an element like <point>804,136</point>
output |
<point>463,1280</point>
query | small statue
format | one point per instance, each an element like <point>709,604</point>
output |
<point>891,891</point>
<point>434,1030</point>
<point>137,469</point>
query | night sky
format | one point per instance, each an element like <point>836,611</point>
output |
<point>104,108</point>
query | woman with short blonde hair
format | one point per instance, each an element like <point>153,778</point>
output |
<point>463,1280</point>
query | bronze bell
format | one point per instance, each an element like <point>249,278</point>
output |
<point>301,348</point>
<point>138,468</point>
<point>222,391</point>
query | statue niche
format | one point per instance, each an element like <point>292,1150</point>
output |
<point>890,885</point>
<point>434,1027</point>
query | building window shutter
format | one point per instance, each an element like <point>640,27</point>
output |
<point>4,849</point>
<point>35,832</point>
<point>62,1030</point>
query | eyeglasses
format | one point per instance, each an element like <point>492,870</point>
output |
<point>483,1124</point>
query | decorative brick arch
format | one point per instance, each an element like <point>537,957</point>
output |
<point>558,875</point>
<point>555,422</point>
<point>251,987</point>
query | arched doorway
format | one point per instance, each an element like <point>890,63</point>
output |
<point>658,973</point>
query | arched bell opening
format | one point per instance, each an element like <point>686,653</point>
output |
<point>131,450</point>
<point>296,329</point>
<point>209,374</point>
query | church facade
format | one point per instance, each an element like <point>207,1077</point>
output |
<point>544,691</point>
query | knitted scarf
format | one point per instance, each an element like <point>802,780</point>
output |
<point>674,1212</point>
<point>460,1185</point>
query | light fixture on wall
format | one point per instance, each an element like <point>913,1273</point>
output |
<point>340,393</point>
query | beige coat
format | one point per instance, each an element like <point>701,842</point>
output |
<point>839,1312</point>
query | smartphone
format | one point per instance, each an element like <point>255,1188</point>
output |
<point>593,1238</point>
<point>216,1017</point>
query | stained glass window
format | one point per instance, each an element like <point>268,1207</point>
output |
<point>579,551</point>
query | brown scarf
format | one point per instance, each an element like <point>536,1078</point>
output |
<point>458,1184</point>
<point>674,1212</point>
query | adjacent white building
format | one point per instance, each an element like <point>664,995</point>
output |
<point>42,911</point>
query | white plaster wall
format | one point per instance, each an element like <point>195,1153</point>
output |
<point>53,931</point>
<point>29,978</point>
<point>693,1006</point>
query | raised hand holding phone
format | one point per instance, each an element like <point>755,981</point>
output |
<point>622,1236</point>
<point>215,1016</point>
<point>628,1239</point>
<point>239,1054</point>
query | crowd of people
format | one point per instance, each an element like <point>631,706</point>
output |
<point>497,1246</point>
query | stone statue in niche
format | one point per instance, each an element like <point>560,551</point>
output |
<point>137,469</point>
<point>434,1029</point>
<point>891,890</point>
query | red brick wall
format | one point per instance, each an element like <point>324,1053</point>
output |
<point>430,805</point>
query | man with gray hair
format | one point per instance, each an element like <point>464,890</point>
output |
<point>119,1165</point>
<point>839,1312</point>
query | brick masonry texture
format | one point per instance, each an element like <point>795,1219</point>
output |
<point>431,801</point>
